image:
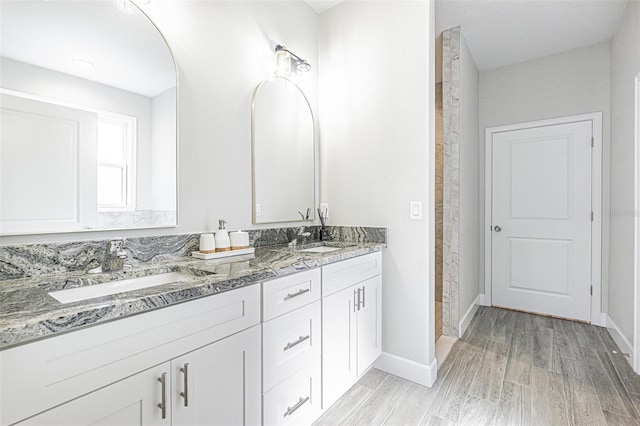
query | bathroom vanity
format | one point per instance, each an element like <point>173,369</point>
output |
<point>262,344</point>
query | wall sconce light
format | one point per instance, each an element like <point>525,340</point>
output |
<point>287,60</point>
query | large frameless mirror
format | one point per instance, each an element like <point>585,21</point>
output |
<point>282,153</point>
<point>88,118</point>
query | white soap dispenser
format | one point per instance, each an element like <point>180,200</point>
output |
<point>222,237</point>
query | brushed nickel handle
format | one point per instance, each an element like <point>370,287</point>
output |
<point>163,404</point>
<point>296,294</point>
<point>297,342</point>
<point>300,403</point>
<point>185,394</point>
<point>363,297</point>
<point>497,228</point>
<point>356,299</point>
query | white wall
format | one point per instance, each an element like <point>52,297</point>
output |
<point>569,83</point>
<point>468,245</point>
<point>625,65</point>
<point>223,50</point>
<point>376,120</point>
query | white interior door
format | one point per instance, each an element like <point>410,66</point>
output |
<point>541,219</point>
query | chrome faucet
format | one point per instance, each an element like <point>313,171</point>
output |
<point>301,234</point>
<point>114,256</point>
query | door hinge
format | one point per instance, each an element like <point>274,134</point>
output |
<point>591,216</point>
<point>592,290</point>
<point>592,141</point>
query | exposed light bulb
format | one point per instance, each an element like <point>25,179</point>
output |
<point>303,66</point>
<point>283,63</point>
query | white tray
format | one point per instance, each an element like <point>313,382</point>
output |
<point>208,256</point>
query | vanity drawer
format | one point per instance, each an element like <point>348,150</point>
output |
<point>340,275</point>
<point>290,342</point>
<point>296,401</point>
<point>285,294</point>
<point>43,374</point>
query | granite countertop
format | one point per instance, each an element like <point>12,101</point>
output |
<point>28,313</point>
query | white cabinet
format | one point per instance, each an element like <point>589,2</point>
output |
<point>369,323</point>
<point>129,402</point>
<point>74,366</point>
<point>351,323</point>
<point>218,384</point>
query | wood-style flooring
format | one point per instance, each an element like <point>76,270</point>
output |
<point>510,368</point>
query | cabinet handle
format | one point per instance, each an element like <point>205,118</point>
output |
<point>296,294</point>
<point>300,403</point>
<point>297,342</point>
<point>163,404</point>
<point>356,299</point>
<point>185,394</point>
<point>363,298</point>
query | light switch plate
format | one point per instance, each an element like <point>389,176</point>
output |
<point>415,210</point>
<point>258,209</point>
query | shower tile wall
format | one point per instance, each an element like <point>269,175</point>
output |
<point>439,207</point>
<point>451,179</point>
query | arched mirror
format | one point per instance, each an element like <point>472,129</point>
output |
<point>282,153</point>
<point>88,118</point>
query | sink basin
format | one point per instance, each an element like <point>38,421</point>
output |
<point>114,287</point>
<point>321,249</point>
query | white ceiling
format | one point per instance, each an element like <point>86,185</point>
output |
<point>506,32</point>
<point>126,49</point>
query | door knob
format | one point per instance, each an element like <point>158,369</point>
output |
<point>497,228</point>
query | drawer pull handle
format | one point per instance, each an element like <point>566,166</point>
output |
<point>297,293</point>
<point>297,342</point>
<point>362,297</point>
<point>300,403</point>
<point>185,394</point>
<point>163,404</point>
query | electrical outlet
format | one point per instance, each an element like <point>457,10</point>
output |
<point>324,210</point>
<point>258,209</point>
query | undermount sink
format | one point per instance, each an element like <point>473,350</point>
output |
<point>321,249</point>
<point>120,286</point>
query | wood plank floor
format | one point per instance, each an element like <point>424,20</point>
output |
<point>510,368</point>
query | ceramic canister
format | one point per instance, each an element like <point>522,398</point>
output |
<point>239,240</point>
<point>207,243</point>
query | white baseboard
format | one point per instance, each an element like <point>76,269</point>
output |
<point>468,316</point>
<point>621,340</point>
<point>421,374</point>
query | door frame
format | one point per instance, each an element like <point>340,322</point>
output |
<point>636,265</point>
<point>596,201</point>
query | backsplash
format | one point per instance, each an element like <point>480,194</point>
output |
<point>31,260</point>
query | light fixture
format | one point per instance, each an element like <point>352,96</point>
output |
<point>287,60</point>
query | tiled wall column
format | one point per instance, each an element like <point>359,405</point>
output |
<point>451,179</point>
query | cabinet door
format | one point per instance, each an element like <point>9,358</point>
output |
<point>219,384</point>
<point>338,344</point>
<point>369,322</point>
<point>129,402</point>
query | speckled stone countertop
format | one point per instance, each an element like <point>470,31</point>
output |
<point>29,313</point>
